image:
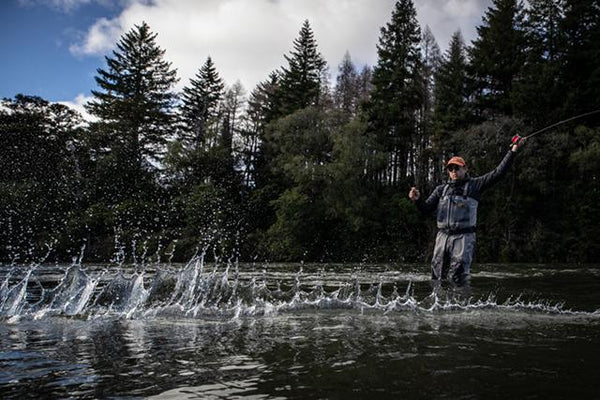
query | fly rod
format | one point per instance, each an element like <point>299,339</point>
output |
<point>518,138</point>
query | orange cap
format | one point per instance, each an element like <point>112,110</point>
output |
<point>458,161</point>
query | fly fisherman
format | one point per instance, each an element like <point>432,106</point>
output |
<point>456,205</point>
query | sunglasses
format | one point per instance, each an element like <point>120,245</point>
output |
<point>453,167</point>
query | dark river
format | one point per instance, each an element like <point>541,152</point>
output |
<point>298,332</point>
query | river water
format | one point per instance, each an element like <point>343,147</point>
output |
<point>201,331</point>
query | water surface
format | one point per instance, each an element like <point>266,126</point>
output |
<point>298,331</point>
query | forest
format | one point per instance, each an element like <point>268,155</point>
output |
<point>315,163</point>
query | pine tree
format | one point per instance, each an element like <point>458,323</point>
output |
<point>581,61</point>
<point>451,108</point>
<point>541,72</point>
<point>397,95</point>
<point>497,58</point>
<point>302,79</point>
<point>134,105</point>
<point>200,108</point>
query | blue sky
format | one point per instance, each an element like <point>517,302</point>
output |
<point>52,48</point>
<point>35,39</point>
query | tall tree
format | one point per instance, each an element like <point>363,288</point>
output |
<point>541,72</point>
<point>451,108</point>
<point>200,105</point>
<point>497,57</point>
<point>581,60</point>
<point>397,95</point>
<point>134,105</point>
<point>302,78</point>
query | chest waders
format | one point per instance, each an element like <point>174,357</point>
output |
<point>455,240</point>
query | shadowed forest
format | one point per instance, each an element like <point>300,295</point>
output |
<point>315,162</point>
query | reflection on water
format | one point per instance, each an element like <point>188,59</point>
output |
<point>343,332</point>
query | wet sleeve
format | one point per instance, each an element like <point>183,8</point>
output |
<point>489,179</point>
<point>427,206</point>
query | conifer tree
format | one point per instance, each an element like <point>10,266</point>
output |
<point>451,108</point>
<point>497,58</point>
<point>581,61</point>
<point>134,103</point>
<point>397,95</point>
<point>541,72</point>
<point>302,78</point>
<point>201,101</point>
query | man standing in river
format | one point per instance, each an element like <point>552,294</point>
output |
<point>456,204</point>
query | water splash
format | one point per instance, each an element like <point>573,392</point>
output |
<point>197,290</point>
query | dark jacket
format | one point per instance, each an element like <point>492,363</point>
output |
<point>476,185</point>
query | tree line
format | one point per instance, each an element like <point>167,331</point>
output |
<point>303,168</point>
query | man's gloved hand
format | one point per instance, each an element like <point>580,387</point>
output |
<point>516,142</point>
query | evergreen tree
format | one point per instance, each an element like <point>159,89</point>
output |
<point>346,93</point>
<point>541,72</point>
<point>302,78</point>
<point>200,108</point>
<point>497,58</point>
<point>451,108</point>
<point>134,105</point>
<point>397,95</point>
<point>581,61</point>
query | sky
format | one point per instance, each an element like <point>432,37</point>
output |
<point>53,48</point>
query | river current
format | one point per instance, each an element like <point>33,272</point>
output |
<point>222,331</point>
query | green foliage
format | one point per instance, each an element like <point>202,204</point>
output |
<point>134,107</point>
<point>497,58</point>
<point>40,180</point>
<point>581,59</point>
<point>293,174</point>
<point>200,108</point>
<point>302,78</point>
<point>398,90</point>
<point>451,96</point>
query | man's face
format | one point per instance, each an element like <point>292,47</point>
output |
<point>455,171</point>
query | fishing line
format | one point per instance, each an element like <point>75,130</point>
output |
<point>564,121</point>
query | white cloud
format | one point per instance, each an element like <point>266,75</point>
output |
<point>445,17</point>
<point>100,38</point>
<point>248,38</point>
<point>78,105</point>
